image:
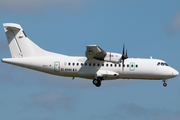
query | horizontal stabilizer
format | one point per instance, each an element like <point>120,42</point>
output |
<point>12,26</point>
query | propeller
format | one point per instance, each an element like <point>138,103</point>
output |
<point>123,57</point>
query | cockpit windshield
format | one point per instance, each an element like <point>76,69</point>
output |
<point>162,64</point>
<point>166,64</point>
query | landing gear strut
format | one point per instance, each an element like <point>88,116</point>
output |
<point>164,84</point>
<point>97,82</point>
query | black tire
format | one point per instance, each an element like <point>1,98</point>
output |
<point>164,84</point>
<point>97,83</point>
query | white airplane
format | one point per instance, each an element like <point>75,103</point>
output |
<point>97,65</point>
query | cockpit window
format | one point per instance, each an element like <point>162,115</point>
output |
<point>166,64</point>
<point>162,64</point>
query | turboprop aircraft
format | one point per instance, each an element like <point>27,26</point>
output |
<point>98,65</point>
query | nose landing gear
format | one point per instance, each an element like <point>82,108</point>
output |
<point>164,84</point>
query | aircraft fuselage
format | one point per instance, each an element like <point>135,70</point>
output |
<point>134,68</point>
<point>97,65</point>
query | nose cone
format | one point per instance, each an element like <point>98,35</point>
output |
<point>175,73</point>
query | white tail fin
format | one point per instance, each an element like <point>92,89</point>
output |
<point>20,45</point>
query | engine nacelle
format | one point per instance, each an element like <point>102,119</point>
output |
<point>112,57</point>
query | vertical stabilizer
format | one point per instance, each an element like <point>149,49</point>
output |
<point>20,45</point>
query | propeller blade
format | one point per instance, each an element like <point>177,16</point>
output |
<point>126,52</point>
<point>123,57</point>
<point>123,50</point>
<point>123,65</point>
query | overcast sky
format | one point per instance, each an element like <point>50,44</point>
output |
<point>147,27</point>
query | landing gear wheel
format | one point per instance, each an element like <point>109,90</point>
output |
<point>97,83</point>
<point>164,84</point>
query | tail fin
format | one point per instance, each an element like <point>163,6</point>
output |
<point>20,45</point>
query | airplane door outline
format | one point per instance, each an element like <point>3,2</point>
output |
<point>132,66</point>
<point>56,66</point>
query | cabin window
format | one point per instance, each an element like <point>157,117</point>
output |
<point>73,64</point>
<point>111,65</point>
<point>81,64</point>
<point>115,65</point>
<point>124,65</point>
<point>102,64</point>
<point>98,64</point>
<point>106,65</point>
<point>77,64</point>
<point>136,65</point>
<point>158,63</point>
<point>69,63</point>
<point>132,65</point>
<point>89,64</point>
<point>119,65</point>
<point>85,64</point>
<point>94,64</point>
<point>127,65</point>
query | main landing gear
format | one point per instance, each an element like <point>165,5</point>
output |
<point>164,84</point>
<point>97,82</point>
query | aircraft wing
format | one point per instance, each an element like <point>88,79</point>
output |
<point>94,51</point>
